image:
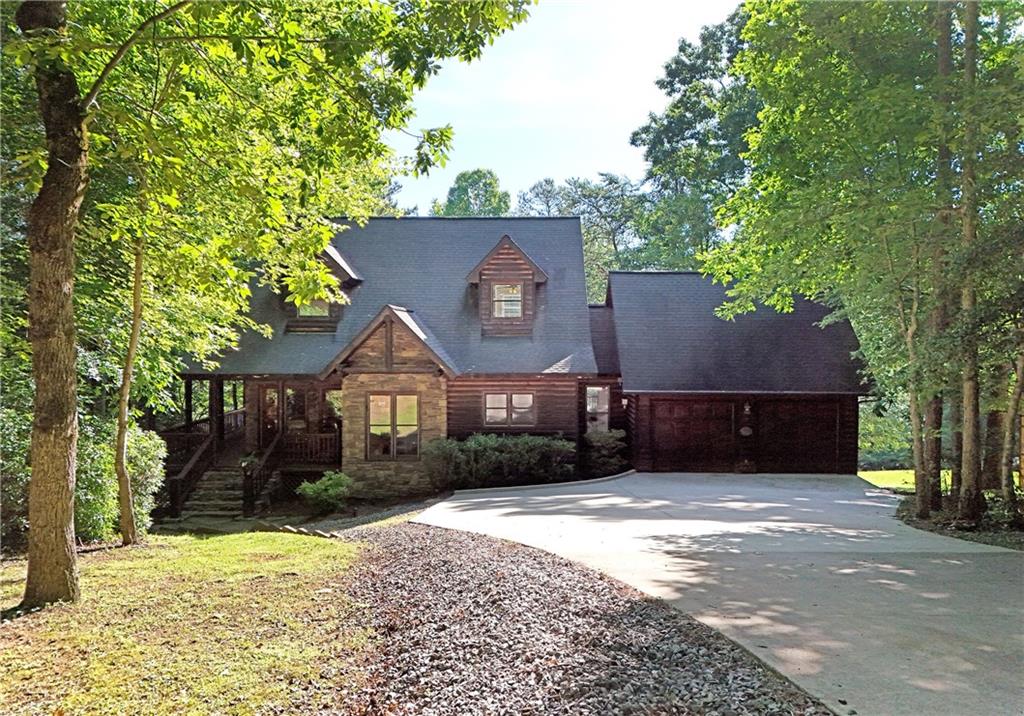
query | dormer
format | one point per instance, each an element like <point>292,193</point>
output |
<point>322,316</point>
<point>506,281</point>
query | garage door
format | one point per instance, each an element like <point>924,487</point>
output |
<point>692,436</point>
<point>797,436</point>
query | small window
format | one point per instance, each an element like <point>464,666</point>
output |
<point>393,427</point>
<point>507,300</point>
<point>318,308</point>
<point>598,402</point>
<point>513,409</point>
<point>295,409</point>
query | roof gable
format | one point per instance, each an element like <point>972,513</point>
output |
<point>506,242</point>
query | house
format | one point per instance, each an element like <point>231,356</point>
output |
<point>457,326</point>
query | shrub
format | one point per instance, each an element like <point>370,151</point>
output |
<point>604,453</point>
<point>145,459</point>
<point>486,460</point>
<point>328,493</point>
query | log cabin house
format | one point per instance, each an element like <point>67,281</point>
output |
<point>455,326</point>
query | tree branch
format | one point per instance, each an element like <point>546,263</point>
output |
<point>125,47</point>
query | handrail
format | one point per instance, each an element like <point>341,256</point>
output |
<point>180,486</point>
<point>205,422</point>
<point>255,476</point>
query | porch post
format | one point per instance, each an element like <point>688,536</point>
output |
<point>217,409</point>
<point>188,405</point>
<point>280,408</point>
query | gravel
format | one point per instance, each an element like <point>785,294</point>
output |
<point>468,624</point>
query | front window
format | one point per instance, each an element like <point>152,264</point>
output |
<point>509,409</point>
<point>598,402</point>
<point>507,300</point>
<point>393,427</point>
<point>318,308</point>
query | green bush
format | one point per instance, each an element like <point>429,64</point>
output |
<point>96,508</point>
<point>486,460</point>
<point>327,494</point>
<point>604,453</point>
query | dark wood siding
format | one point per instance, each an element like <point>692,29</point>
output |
<point>555,398</point>
<point>795,434</point>
<point>507,265</point>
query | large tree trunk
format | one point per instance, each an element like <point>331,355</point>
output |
<point>920,469</point>
<point>1009,427</point>
<point>129,533</point>
<point>957,439</point>
<point>52,218</point>
<point>970,492</point>
<point>939,319</point>
<point>993,449</point>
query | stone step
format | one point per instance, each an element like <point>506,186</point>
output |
<point>221,494</point>
<point>213,505</point>
<point>190,514</point>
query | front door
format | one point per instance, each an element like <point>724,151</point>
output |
<point>270,415</point>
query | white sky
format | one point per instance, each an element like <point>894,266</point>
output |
<point>559,95</point>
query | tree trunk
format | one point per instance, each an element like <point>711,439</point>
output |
<point>1009,426</point>
<point>52,218</point>
<point>957,440</point>
<point>970,492</point>
<point>920,471</point>
<point>129,533</point>
<point>939,319</point>
<point>993,448</point>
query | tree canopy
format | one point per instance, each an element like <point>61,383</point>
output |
<point>474,193</point>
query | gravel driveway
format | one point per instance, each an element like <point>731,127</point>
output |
<point>812,574</point>
<point>468,624</point>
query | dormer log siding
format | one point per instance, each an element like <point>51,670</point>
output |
<point>507,265</point>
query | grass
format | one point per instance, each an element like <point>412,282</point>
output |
<point>188,625</point>
<point>896,479</point>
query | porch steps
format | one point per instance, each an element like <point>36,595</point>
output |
<point>218,494</point>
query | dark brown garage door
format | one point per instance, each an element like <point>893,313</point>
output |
<point>693,436</point>
<point>797,435</point>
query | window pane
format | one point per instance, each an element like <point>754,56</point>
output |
<point>317,309</point>
<point>497,416</point>
<point>406,412</point>
<point>407,440</point>
<point>522,416</point>
<point>378,441</point>
<point>522,400</point>
<point>380,410</point>
<point>508,291</point>
<point>496,400</point>
<point>508,309</point>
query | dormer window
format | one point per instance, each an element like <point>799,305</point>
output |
<point>507,300</point>
<point>507,285</point>
<point>318,308</point>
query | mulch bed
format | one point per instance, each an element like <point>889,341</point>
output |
<point>468,624</point>
<point>995,527</point>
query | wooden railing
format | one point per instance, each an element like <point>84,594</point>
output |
<point>234,421</point>
<point>181,447</point>
<point>255,476</point>
<point>180,486</point>
<point>312,448</point>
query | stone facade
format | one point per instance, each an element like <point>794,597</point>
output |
<point>390,478</point>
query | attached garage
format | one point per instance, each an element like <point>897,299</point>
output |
<point>767,392</point>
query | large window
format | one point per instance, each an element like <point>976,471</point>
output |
<point>509,409</point>
<point>598,403</point>
<point>393,427</point>
<point>507,300</point>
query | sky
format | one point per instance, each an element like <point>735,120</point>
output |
<point>557,96</point>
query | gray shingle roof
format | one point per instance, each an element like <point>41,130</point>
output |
<point>421,263</point>
<point>602,332</point>
<point>669,339</point>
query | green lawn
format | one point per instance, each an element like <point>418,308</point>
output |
<point>188,625</point>
<point>896,479</point>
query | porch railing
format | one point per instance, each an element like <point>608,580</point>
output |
<point>312,448</point>
<point>256,475</point>
<point>180,485</point>
<point>234,420</point>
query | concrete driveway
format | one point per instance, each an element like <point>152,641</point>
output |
<point>813,574</point>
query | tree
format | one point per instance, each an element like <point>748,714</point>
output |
<point>695,148</point>
<point>844,203</point>
<point>474,193</point>
<point>351,72</point>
